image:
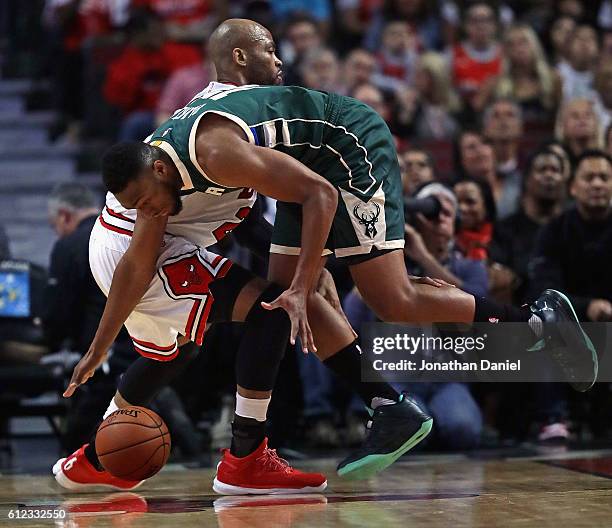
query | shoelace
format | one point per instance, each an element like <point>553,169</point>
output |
<point>271,459</point>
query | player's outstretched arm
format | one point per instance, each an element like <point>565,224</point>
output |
<point>131,279</point>
<point>226,156</point>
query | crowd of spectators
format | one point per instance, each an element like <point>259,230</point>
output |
<point>502,110</point>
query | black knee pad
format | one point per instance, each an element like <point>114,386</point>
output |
<point>263,344</point>
<point>146,377</point>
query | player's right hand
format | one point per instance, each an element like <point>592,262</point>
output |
<point>84,370</point>
<point>294,303</point>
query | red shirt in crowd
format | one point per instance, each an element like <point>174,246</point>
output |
<point>136,78</point>
<point>471,68</point>
<point>177,11</point>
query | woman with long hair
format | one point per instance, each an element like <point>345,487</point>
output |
<point>526,76</point>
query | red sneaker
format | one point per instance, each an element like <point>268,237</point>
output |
<point>263,472</point>
<point>77,474</point>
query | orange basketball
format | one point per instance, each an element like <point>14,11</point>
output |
<point>133,443</point>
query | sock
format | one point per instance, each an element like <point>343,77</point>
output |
<point>249,425</point>
<point>346,364</point>
<point>90,450</point>
<point>487,311</point>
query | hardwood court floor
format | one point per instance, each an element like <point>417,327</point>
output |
<point>569,490</point>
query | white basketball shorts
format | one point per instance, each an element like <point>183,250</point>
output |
<point>177,300</point>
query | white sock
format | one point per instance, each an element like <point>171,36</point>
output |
<point>377,402</point>
<point>535,323</point>
<point>111,409</point>
<point>252,408</point>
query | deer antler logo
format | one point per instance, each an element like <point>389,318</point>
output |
<point>367,218</point>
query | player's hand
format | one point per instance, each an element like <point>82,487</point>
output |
<point>327,289</point>
<point>294,303</point>
<point>84,370</point>
<point>438,283</point>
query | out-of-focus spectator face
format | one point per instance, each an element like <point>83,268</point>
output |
<point>398,38</point>
<point>603,81</point>
<point>471,205</point>
<point>303,36</point>
<point>373,97</point>
<point>359,67</point>
<point>583,46</point>
<point>609,141</point>
<point>579,120</point>
<point>560,33</point>
<point>480,25</point>
<point>504,122</point>
<point>418,170</point>
<point>562,153</point>
<point>518,48</point>
<point>477,157</point>
<point>606,43</point>
<point>319,70</point>
<point>592,184</point>
<point>546,180</point>
<point>62,222</point>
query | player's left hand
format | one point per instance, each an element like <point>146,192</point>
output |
<point>84,370</point>
<point>327,289</point>
<point>430,281</point>
<point>294,303</point>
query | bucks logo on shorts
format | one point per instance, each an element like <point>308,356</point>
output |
<point>367,214</point>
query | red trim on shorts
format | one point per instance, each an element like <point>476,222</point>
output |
<point>119,215</point>
<point>202,323</point>
<point>157,357</point>
<point>153,345</point>
<point>224,269</point>
<point>216,260</point>
<point>116,229</point>
<point>190,321</point>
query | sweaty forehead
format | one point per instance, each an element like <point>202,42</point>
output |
<point>259,33</point>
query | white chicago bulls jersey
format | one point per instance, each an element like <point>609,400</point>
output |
<point>204,220</point>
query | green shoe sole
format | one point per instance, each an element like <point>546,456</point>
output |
<point>372,464</point>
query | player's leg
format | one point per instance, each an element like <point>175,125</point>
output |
<point>398,424</point>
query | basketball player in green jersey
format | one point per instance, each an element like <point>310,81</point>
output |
<point>278,141</point>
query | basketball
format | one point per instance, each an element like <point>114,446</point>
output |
<point>133,443</point>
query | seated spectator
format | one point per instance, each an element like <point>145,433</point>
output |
<point>417,168</point>
<point>373,97</point>
<point>526,77</point>
<point>573,252</point>
<point>502,126</point>
<point>425,112</point>
<point>558,148</point>
<point>319,70</point>
<point>478,58</point>
<point>180,88</point>
<point>421,15</point>
<point>396,58</point>
<point>358,68</point>
<point>475,159</point>
<point>477,210</point>
<point>430,246</point>
<point>558,36</point>
<point>543,198</point>
<point>301,35</point>
<point>603,87</point>
<point>578,70</point>
<point>578,128</point>
<point>135,79</point>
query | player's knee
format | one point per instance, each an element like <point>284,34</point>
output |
<point>398,309</point>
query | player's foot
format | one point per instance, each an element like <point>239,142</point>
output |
<point>554,433</point>
<point>77,474</point>
<point>263,472</point>
<point>564,339</point>
<point>395,429</point>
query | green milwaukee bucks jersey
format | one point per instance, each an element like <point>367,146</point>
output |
<point>300,122</point>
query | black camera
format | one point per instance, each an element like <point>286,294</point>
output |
<point>429,207</point>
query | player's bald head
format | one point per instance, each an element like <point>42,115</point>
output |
<point>235,33</point>
<point>243,52</point>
